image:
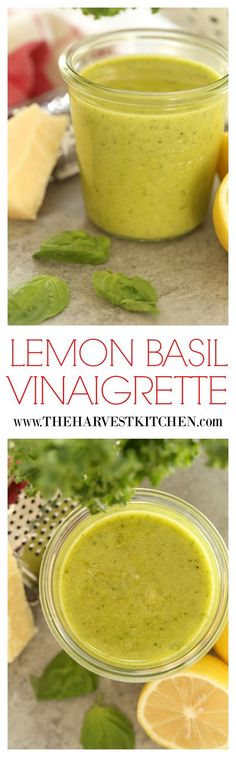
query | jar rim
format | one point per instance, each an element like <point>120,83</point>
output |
<point>70,74</point>
<point>199,646</point>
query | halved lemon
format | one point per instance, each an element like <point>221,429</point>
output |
<point>189,710</point>
<point>222,164</point>
<point>221,646</point>
<point>220,212</point>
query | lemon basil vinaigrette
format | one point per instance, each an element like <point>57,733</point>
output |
<point>135,587</point>
<point>148,129</point>
<point>149,73</point>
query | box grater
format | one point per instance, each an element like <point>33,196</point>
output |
<point>31,523</point>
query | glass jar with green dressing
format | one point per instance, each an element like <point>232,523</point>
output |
<point>136,592</point>
<point>148,110</point>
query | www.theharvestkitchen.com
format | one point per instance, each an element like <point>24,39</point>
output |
<point>118,421</point>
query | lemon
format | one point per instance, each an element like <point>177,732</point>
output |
<point>222,165</point>
<point>220,212</point>
<point>188,710</point>
<point>221,646</point>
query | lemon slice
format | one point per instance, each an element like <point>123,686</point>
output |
<point>220,212</point>
<point>222,165</point>
<point>189,710</point>
<point>221,646</point>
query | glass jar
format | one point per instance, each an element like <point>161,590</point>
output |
<point>147,159</point>
<point>180,513</point>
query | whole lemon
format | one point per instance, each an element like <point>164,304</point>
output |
<point>220,212</point>
<point>222,165</point>
<point>221,646</point>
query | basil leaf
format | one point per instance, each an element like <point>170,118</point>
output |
<point>106,728</point>
<point>75,247</point>
<point>63,678</point>
<point>38,299</point>
<point>131,293</point>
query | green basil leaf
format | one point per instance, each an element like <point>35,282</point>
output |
<point>106,728</point>
<point>63,678</point>
<point>75,247</point>
<point>38,299</point>
<point>132,293</point>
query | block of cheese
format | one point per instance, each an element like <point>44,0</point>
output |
<point>21,626</point>
<point>34,139</point>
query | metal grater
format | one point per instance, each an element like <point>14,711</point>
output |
<point>31,523</point>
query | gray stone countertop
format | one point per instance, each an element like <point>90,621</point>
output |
<point>189,273</point>
<point>57,725</point>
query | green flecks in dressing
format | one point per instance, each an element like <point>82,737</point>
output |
<point>135,587</point>
<point>147,171</point>
<point>149,73</point>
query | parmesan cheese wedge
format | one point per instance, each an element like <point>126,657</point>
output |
<point>34,138</point>
<point>21,626</point>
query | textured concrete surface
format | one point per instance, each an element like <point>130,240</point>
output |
<point>189,274</point>
<point>56,725</point>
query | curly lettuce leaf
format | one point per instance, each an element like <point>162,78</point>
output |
<point>98,472</point>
